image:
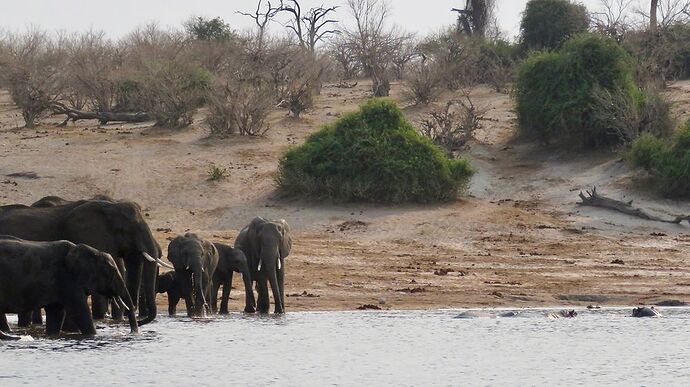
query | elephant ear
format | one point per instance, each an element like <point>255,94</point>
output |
<point>285,240</point>
<point>174,255</point>
<point>80,264</point>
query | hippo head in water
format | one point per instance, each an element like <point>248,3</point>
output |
<point>645,312</point>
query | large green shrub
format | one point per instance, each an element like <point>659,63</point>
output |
<point>374,155</point>
<point>669,160</point>
<point>584,95</point>
<point>547,23</point>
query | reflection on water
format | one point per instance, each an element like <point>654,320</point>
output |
<point>366,348</point>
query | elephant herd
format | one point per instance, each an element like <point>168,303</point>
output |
<point>55,253</point>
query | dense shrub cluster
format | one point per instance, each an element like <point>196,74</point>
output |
<point>372,155</point>
<point>547,23</point>
<point>668,160</point>
<point>584,94</point>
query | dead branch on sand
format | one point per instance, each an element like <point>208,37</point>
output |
<point>102,117</point>
<point>595,200</point>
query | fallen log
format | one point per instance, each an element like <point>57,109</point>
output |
<point>102,117</point>
<point>595,200</point>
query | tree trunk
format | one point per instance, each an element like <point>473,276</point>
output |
<point>652,16</point>
<point>102,117</point>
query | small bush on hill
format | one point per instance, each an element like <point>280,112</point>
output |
<point>372,155</point>
<point>584,95</point>
<point>669,160</point>
<point>547,23</point>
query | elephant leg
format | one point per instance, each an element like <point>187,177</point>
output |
<point>4,326</point>
<point>214,295</point>
<point>173,300</point>
<point>55,315</point>
<point>78,309</point>
<point>37,317</point>
<point>263,303</point>
<point>277,297</point>
<point>99,306</point>
<point>281,286</point>
<point>69,325</point>
<point>24,319</point>
<point>116,311</point>
<point>227,288</point>
<point>249,301</point>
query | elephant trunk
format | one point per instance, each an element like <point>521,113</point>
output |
<point>148,281</point>
<point>124,300</point>
<point>200,301</point>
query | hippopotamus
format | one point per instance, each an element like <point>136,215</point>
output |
<point>562,314</point>
<point>645,311</point>
<point>485,314</point>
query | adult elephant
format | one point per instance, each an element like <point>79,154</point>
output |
<point>58,276</point>
<point>231,260</point>
<point>195,260</point>
<point>117,228</point>
<point>35,317</point>
<point>266,243</point>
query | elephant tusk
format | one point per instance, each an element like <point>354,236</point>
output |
<point>161,263</point>
<point>279,265</point>
<point>122,304</point>
<point>149,258</point>
<point>259,268</point>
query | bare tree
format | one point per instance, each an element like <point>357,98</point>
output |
<point>31,67</point>
<point>405,52</point>
<point>311,28</point>
<point>374,41</point>
<point>476,17</point>
<point>613,19</point>
<point>261,19</point>
<point>664,14</point>
<point>344,52</point>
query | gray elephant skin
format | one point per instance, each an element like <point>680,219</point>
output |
<point>167,283</point>
<point>58,276</point>
<point>266,244</point>
<point>195,260</point>
<point>230,261</point>
<point>117,228</point>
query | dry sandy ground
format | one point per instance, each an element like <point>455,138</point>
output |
<point>518,240</point>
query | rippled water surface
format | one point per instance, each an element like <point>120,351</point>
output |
<point>366,349</point>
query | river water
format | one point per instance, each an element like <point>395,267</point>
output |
<point>399,348</point>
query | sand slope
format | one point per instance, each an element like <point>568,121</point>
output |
<point>519,239</point>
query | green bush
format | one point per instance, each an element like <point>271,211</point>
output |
<point>373,155</point>
<point>584,95</point>
<point>669,160</point>
<point>547,23</point>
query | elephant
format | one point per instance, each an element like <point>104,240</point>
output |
<point>266,244</point>
<point>53,201</point>
<point>231,260</point>
<point>167,283</point>
<point>195,260</point>
<point>645,312</point>
<point>117,228</point>
<point>35,317</point>
<point>59,276</point>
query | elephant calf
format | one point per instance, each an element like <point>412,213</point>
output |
<point>167,283</point>
<point>58,276</point>
<point>231,260</point>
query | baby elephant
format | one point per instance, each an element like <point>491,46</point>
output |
<point>231,260</point>
<point>167,283</point>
